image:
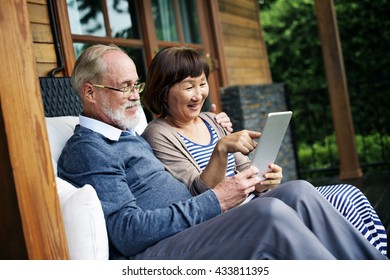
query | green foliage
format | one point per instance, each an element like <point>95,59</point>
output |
<point>294,51</point>
<point>364,29</point>
<point>316,156</point>
<point>372,147</point>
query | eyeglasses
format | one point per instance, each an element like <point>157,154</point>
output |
<point>127,91</point>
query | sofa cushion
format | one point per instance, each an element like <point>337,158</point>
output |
<point>82,213</point>
<point>84,222</point>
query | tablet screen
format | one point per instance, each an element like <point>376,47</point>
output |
<point>271,138</point>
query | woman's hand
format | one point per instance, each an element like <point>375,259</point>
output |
<point>241,141</point>
<point>272,178</point>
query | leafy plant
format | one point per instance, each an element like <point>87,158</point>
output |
<point>294,51</point>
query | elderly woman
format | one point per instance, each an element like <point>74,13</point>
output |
<point>200,153</point>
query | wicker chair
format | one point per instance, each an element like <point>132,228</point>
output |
<point>59,97</point>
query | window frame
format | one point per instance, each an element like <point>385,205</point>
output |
<point>210,33</point>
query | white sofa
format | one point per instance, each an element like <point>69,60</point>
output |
<point>83,217</point>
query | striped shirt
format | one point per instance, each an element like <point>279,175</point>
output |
<point>202,153</point>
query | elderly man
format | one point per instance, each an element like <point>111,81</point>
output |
<point>151,215</point>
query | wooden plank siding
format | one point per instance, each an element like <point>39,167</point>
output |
<point>41,33</point>
<point>31,219</point>
<point>43,43</point>
<point>245,51</point>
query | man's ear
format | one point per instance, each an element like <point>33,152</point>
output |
<point>88,92</point>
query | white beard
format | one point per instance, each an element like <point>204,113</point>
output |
<point>119,116</point>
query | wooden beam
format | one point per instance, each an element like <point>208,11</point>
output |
<point>338,90</point>
<point>28,184</point>
<point>148,31</point>
<point>65,37</point>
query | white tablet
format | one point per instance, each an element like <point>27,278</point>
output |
<point>269,143</point>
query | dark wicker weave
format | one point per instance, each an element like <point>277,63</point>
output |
<point>59,97</point>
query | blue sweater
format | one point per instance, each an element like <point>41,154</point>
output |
<point>142,202</point>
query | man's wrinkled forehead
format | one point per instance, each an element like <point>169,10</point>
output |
<point>121,66</point>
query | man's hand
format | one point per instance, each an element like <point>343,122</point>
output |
<point>234,190</point>
<point>222,119</point>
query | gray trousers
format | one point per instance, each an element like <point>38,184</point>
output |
<point>291,222</point>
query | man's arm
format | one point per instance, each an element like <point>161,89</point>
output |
<point>139,215</point>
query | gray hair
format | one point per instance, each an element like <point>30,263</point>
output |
<point>90,66</point>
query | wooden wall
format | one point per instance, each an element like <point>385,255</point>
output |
<point>244,48</point>
<point>44,50</point>
<point>245,51</point>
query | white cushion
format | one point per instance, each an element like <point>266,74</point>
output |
<point>84,222</point>
<point>59,129</point>
<point>82,213</point>
<point>142,124</point>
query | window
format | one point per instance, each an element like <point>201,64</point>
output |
<point>140,27</point>
<point>117,22</point>
<point>176,21</point>
<point>107,22</point>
